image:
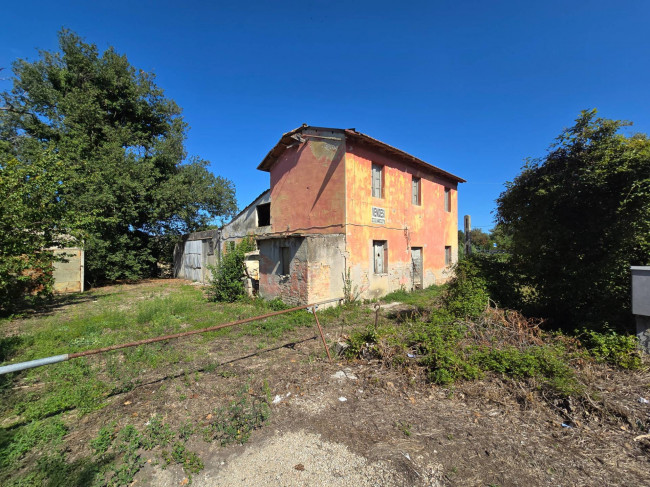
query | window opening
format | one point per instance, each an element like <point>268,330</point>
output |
<point>377,181</point>
<point>448,255</point>
<point>264,215</point>
<point>447,199</point>
<point>416,185</point>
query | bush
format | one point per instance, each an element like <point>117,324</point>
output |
<point>613,348</point>
<point>227,284</point>
<point>467,295</point>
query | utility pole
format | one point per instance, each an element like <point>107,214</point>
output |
<point>468,237</point>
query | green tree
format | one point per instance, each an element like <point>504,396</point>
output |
<point>122,142</point>
<point>32,220</point>
<point>578,218</point>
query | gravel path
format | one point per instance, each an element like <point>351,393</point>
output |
<point>299,459</point>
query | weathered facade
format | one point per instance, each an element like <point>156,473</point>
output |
<point>348,209</point>
<point>194,254</point>
<point>252,220</point>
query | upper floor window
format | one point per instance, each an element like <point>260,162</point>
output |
<point>416,191</point>
<point>377,181</point>
<point>447,199</point>
<point>263,214</point>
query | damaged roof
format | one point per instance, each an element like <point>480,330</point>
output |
<point>294,137</point>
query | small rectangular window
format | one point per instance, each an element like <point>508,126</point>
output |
<point>210,247</point>
<point>380,256</point>
<point>377,181</point>
<point>263,215</point>
<point>415,191</point>
<point>447,199</point>
<point>448,255</point>
<point>285,260</point>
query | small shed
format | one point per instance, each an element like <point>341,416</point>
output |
<point>194,255</point>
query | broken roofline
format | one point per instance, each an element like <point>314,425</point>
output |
<point>288,139</point>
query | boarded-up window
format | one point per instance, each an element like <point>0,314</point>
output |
<point>285,260</point>
<point>377,181</point>
<point>415,191</point>
<point>447,199</point>
<point>380,256</point>
<point>447,255</point>
<point>264,215</point>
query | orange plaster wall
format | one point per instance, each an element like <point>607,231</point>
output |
<point>308,188</point>
<point>428,226</point>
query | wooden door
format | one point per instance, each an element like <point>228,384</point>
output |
<point>416,263</point>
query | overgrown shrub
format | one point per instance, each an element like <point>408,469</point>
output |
<point>466,295</point>
<point>227,284</point>
<point>611,347</point>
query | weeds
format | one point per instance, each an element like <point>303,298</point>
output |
<point>128,444</point>
<point>450,351</point>
<point>235,423</point>
<point>613,348</point>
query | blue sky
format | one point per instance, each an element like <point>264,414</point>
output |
<point>472,87</point>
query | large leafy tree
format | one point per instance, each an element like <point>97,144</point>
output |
<point>578,219</point>
<point>32,221</point>
<point>122,143</point>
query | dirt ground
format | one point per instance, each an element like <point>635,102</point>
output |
<point>361,424</point>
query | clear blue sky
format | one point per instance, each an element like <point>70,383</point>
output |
<point>473,87</point>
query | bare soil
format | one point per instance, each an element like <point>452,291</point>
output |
<point>361,424</point>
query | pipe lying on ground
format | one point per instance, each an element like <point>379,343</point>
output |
<point>6,369</point>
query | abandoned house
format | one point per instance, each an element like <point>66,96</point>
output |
<point>349,213</point>
<point>345,213</point>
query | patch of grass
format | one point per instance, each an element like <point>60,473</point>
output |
<point>16,443</point>
<point>422,298</point>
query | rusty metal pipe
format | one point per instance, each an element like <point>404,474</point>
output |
<point>62,358</point>
<point>320,330</point>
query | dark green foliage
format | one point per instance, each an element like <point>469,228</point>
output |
<point>578,219</point>
<point>547,363</point>
<point>121,141</point>
<point>502,283</point>
<point>614,348</point>
<point>31,220</point>
<point>466,296</point>
<point>227,284</point>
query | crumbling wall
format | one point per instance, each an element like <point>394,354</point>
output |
<point>326,267</point>
<point>291,288</point>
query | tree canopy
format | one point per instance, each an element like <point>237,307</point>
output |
<point>120,144</point>
<point>578,219</point>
